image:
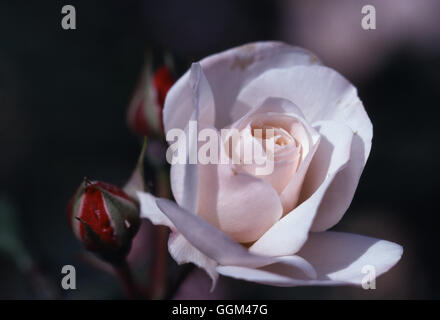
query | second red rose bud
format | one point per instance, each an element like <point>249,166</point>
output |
<point>144,114</point>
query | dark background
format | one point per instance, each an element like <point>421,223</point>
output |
<point>63,99</point>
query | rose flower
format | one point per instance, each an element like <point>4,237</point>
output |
<point>270,228</point>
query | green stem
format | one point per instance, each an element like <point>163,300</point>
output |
<point>126,277</point>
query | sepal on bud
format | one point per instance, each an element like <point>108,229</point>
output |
<point>104,218</point>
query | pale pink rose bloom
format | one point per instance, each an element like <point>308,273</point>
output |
<point>271,229</point>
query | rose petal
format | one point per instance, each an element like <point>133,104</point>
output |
<point>199,242</point>
<point>185,177</point>
<point>335,203</point>
<point>341,191</point>
<point>322,94</point>
<point>180,249</point>
<point>183,252</point>
<point>208,239</point>
<point>279,274</point>
<point>180,99</point>
<point>227,72</point>
<point>150,211</point>
<point>274,106</point>
<point>288,235</point>
<point>218,246</point>
<point>307,135</point>
<point>339,258</point>
<point>332,154</point>
<point>241,205</point>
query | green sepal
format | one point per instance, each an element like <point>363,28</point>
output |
<point>94,243</point>
<point>120,211</point>
<point>137,181</point>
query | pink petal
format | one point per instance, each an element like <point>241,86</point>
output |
<point>338,258</point>
<point>308,137</point>
<point>241,205</point>
<point>288,235</point>
<point>322,94</point>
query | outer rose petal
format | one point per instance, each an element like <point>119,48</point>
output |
<point>209,246</point>
<point>183,252</point>
<point>227,72</point>
<point>322,94</point>
<point>185,177</point>
<point>323,251</point>
<point>150,211</point>
<point>332,155</point>
<point>288,235</point>
<point>338,258</point>
<point>341,191</point>
<point>282,275</point>
<point>216,245</point>
<point>180,249</point>
<point>208,239</point>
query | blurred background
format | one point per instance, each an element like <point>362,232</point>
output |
<point>63,101</point>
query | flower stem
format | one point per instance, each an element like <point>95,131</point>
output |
<point>126,277</point>
<point>159,269</point>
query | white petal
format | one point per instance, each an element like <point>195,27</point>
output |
<point>341,191</point>
<point>198,242</point>
<point>328,160</point>
<point>320,92</point>
<point>192,89</point>
<point>290,273</point>
<point>208,239</point>
<point>183,252</point>
<point>218,246</point>
<point>150,211</point>
<point>338,258</point>
<point>185,177</point>
<point>227,72</point>
<point>333,153</point>
<point>288,235</point>
<point>184,180</point>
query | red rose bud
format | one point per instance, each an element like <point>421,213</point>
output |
<point>104,218</point>
<point>144,115</point>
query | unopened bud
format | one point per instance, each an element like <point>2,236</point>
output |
<point>104,218</point>
<point>144,115</point>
